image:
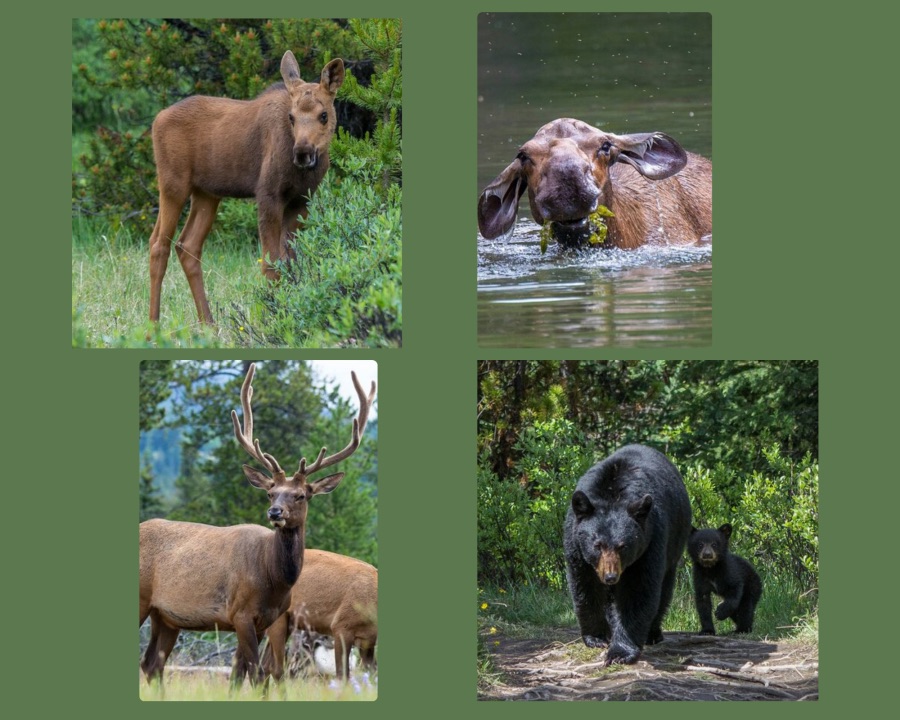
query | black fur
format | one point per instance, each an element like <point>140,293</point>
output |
<point>630,513</point>
<point>731,577</point>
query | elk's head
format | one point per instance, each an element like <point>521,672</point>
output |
<point>311,115</point>
<point>565,168</point>
<point>288,496</point>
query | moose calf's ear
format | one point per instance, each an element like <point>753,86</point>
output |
<point>333,75</point>
<point>290,70</point>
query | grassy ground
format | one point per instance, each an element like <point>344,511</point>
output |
<point>111,291</point>
<point>208,686</point>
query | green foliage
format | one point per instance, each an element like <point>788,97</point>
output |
<point>151,504</point>
<point>155,389</point>
<point>520,523</point>
<point>344,288</point>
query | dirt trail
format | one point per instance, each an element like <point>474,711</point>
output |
<point>683,667</point>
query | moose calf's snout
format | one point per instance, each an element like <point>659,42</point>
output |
<point>305,156</point>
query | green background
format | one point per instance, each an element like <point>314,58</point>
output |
<point>804,261</point>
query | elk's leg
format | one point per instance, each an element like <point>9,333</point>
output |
<point>162,640</point>
<point>274,655</point>
<point>343,644</point>
<point>190,248</point>
<point>246,657</point>
<point>161,244</point>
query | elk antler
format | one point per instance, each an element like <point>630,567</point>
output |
<point>245,436</point>
<point>359,425</point>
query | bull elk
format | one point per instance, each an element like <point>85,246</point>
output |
<point>237,578</point>
<point>657,192</point>
<point>273,148</point>
<point>338,596</point>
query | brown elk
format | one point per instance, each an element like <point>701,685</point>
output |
<point>238,578</point>
<point>273,148</point>
<point>657,192</point>
<point>338,596</point>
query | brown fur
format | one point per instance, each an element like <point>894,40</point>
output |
<point>273,148</point>
<point>658,192</point>
<point>338,596</point>
<point>237,578</point>
<point>609,567</point>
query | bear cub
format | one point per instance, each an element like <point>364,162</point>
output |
<point>729,576</point>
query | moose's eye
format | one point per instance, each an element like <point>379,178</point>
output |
<point>522,157</point>
<point>291,119</point>
<point>604,148</point>
<point>323,118</point>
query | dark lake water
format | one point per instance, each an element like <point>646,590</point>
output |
<point>621,72</point>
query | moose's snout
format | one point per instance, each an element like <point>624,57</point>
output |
<point>567,193</point>
<point>306,156</point>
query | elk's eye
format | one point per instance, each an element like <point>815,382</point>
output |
<point>299,498</point>
<point>323,118</point>
<point>291,118</point>
<point>605,146</point>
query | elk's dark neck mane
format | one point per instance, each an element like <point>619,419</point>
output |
<point>287,555</point>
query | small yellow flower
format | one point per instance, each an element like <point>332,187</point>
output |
<point>502,591</point>
<point>496,642</point>
<point>493,631</point>
<point>484,606</point>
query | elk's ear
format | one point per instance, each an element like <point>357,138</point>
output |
<point>257,478</point>
<point>332,76</point>
<point>326,484</point>
<point>499,201</point>
<point>654,155</point>
<point>290,70</point>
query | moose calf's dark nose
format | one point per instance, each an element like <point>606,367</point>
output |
<point>305,157</point>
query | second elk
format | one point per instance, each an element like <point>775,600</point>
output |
<point>236,578</point>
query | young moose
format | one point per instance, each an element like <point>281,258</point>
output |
<point>237,578</point>
<point>273,148</point>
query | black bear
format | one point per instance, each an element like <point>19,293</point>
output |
<point>624,535</point>
<point>729,576</point>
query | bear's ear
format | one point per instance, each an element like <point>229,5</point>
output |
<point>693,529</point>
<point>639,509</point>
<point>581,505</point>
<point>725,530</point>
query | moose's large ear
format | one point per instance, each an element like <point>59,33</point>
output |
<point>332,76</point>
<point>499,201</point>
<point>654,155</point>
<point>290,70</point>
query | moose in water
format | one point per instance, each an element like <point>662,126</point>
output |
<point>273,148</point>
<point>237,578</point>
<point>656,191</point>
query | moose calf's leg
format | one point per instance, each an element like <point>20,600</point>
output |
<point>271,226</point>
<point>190,248</point>
<point>161,246</point>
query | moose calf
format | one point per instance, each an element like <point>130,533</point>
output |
<point>657,192</point>
<point>336,595</point>
<point>273,148</point>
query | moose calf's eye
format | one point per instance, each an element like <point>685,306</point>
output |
<point>291,118</point>
<point>323,118</point>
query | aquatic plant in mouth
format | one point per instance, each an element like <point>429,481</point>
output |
<point>596,223</point>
